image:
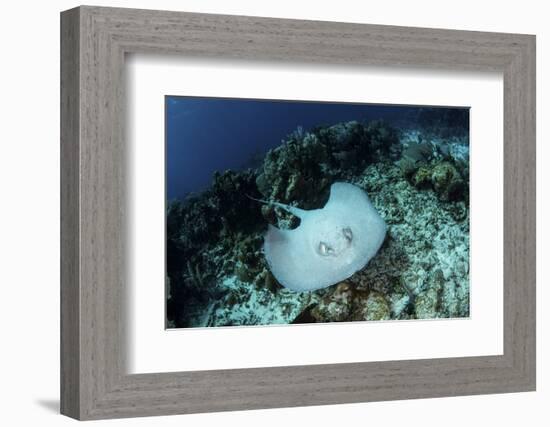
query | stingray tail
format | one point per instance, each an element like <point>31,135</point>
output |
<point>290,209</point>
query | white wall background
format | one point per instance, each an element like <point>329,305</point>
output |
<point>29,225</point>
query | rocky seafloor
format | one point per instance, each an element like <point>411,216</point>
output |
<point>418,181</point>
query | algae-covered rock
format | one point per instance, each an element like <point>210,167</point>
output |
<point>337,304</point>
<point>414,156</point>
<point>426,304</point>
<point>447,182</point>
<point>345,303</point>
<point>376,307</point>
<point>422,178</point>
<point>443,178</point>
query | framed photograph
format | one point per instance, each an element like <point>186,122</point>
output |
<point>262,213</point>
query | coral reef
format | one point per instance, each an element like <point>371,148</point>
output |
<point>418,181</point>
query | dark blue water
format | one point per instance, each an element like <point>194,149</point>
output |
<point>204,135</point>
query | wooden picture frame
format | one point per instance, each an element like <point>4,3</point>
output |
<point>94,382</point>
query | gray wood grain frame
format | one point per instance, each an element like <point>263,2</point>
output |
<point>94,269</point>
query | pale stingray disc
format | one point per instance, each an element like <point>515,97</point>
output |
<point>329,245</point>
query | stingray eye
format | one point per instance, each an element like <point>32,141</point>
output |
<point>348,234</point>
<point>324,249</point>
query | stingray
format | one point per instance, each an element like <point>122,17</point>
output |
<point>329,245</point>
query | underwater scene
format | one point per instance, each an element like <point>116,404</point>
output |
<point>292,212</point>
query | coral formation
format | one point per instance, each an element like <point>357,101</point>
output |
<point>417,181</point>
